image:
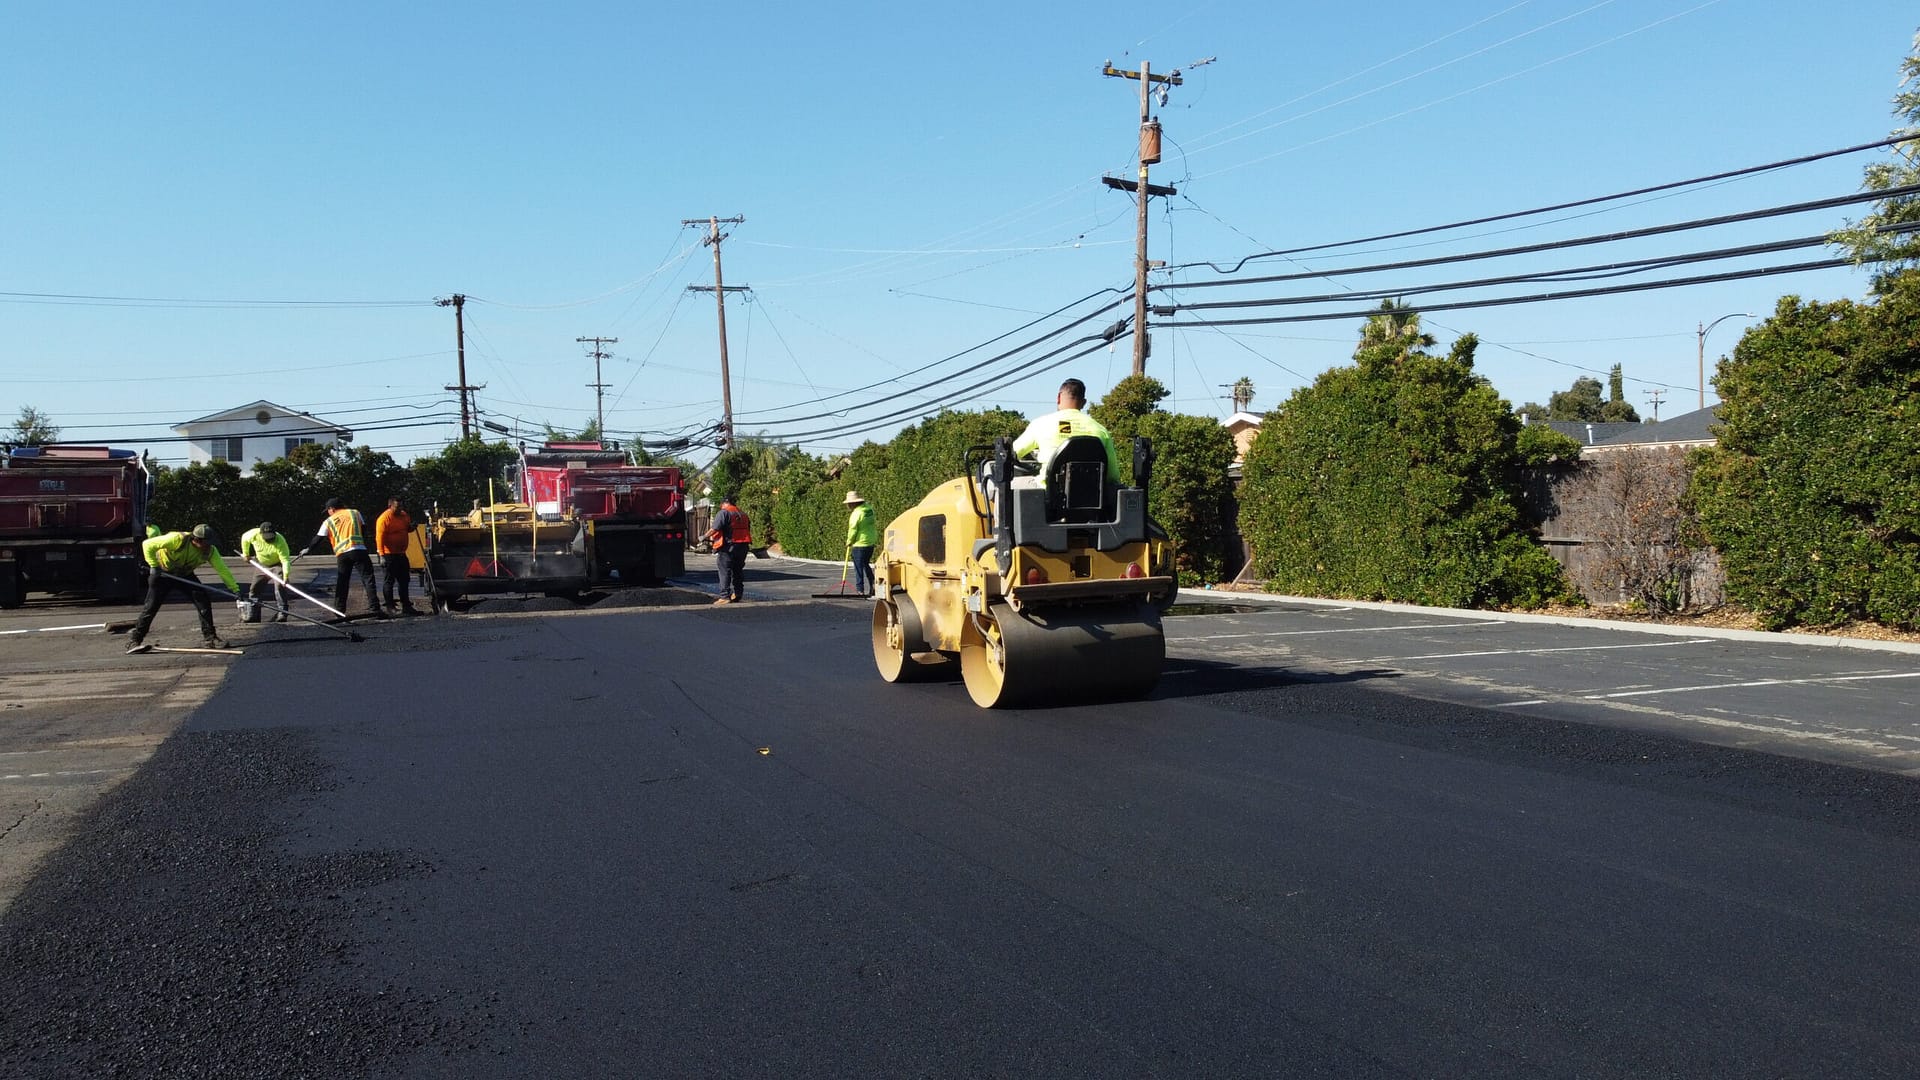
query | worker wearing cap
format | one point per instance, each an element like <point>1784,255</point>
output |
<point>345,532</point>
<point>862,537</point>
<point>1047,434</point>
<point>265,546</point>
<point>390,532</point>
<point>172,559</point>
<point>731,537</point>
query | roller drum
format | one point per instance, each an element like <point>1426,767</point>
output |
<point>1059,655</point>
<point>900,649</point>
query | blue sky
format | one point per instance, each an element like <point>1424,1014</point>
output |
<point>916,180</point>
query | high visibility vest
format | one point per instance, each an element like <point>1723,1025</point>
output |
<point>346,531</point>
<point>739,530</point>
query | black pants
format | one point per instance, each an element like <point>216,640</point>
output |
<point>397,574</point>
<point>345,565</point>
<point>732,560</point>
<point>159,587</point>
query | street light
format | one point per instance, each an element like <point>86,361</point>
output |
<point>1704,331</point>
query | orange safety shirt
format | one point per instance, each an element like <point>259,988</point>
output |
<point>390,531</point>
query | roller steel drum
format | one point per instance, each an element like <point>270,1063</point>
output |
<point>900,649</point>
<point>1063,654</point>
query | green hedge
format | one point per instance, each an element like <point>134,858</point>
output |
<point>1812,495</point>
<point>1395,479</point>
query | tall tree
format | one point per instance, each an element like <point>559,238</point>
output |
<point>1395,327</point>
<point>1887,235</point>
<point>1618,410</point>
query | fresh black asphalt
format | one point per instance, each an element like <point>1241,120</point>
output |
<point>710,842</point>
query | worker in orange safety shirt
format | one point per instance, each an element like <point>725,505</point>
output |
<point>390,532</point>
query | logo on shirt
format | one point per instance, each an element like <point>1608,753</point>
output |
<point>1066,427</point>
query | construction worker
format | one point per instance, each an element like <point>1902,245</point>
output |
<point>1048,433</point>
<point>267,547</point>
<point>172,559</point>
<point>862,537</point>
<point>390,532</point>
<point>731,537</point>
<point>345,533</point>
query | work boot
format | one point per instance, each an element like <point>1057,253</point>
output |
<point>213,641</point>
<point>723,600</point>
<point>138,647</point>
<point>411,610</point>
<point>280,616</point>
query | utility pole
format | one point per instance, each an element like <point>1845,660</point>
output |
<point>1149,155</point>
<point>720,290</point>
<point>599,388</point>
<point>1654,396</point>
<point>459,303</point>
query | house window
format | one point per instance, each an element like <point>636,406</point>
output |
<point>291,443</point>
<point>227,449</point>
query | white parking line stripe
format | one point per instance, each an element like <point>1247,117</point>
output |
<point>1524,652</point>
<point>1346,630</point>
<point>1758,682</point>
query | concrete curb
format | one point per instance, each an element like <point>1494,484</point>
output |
<point>1660,629</point>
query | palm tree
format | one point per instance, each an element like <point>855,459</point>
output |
<point>1395,324</point>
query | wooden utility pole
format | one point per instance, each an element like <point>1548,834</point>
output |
<point>599,388</point>
<point>459,303</point>
<point>720,290</point>
<point>1149,155</point>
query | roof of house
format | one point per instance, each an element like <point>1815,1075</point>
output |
<point>1693,427</point>
<point>1590,433</point>
<point>253,409</point>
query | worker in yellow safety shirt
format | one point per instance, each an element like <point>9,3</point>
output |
<point>1047,434</point>
<point>172,559</point>
<point>270,549</point>
<point>862,537</point>
<point>345,532</point>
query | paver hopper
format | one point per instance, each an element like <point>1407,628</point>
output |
<point>506,548</point>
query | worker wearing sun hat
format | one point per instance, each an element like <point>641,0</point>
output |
<point>862,536</point>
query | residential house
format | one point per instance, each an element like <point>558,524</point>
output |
<point>261,431</point>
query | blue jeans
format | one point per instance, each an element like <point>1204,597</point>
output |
<point>863,570</point>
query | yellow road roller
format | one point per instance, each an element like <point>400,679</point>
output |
<point>1039,589</point>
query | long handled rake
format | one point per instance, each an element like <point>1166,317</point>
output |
<point>350,635</point>
<point>841,591</point>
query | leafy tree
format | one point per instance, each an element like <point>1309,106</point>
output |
<point>1395,478</point>
<point>1811,495</point>
<point>458,474</point>
<point>207,493</point>
<point>588,433</point>
<point>1581,401</point>
<point>1190,491</point>
<point>32,428</point>
<point>1887,235</point>
<point>1130,399</point>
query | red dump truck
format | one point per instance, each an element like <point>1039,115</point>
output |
<point>71,521</point>
<point>635,515</point>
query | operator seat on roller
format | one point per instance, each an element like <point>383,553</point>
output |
<point>1079,490</point>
